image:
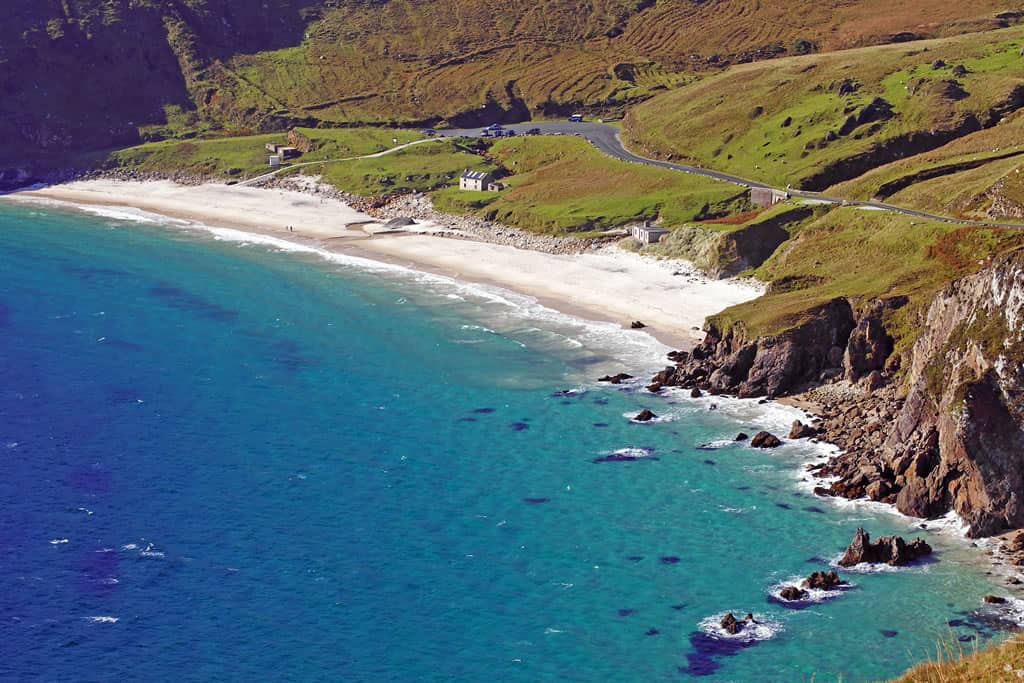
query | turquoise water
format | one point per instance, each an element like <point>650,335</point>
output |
<point>221,461</point>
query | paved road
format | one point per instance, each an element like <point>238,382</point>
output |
<point>606,138</point>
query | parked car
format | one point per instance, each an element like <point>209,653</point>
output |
<point>533,131</point>
<point>485,133</point>
<point>509,133</point>
<point>494,126</point>
<point>576,118</point>
<point>429,132</point>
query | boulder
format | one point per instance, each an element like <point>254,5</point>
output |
<point>616,379</point>
<point>400,222</point>
<point>823,581</point>
<point>892,550</point>
<point>793,593</point>
<point>696,393</point>
<point>644,415</point>
<point>802,431</point>
<point>765,440</point>
<point>733,625</point>
<point>994,600</point>
<point>741,437</point>
<point>637,325</point>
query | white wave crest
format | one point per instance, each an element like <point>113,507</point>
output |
<point>814,595</point>
<point>103,620</point>
<point>763,628</point>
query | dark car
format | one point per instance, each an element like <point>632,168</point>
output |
<point>485,133</point>
<point>429,132</point>
<point>494,126</point>
<point>533,131</point>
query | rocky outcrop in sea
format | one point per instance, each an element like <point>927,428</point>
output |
<point>934,428</point>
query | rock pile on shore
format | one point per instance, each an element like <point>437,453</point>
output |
<point>420,207</point>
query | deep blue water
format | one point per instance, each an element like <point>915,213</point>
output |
<point>225,462</point>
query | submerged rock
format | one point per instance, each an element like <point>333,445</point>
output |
<point>765,440</point>
<point>891,550</point>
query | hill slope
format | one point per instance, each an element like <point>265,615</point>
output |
<point>86,74</point>
<point>816,120</point>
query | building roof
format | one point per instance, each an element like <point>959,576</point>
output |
<point>475,175</point>
<point>650,228</point>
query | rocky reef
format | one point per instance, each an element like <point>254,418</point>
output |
<point>891,550</point>
<point>934,427</point>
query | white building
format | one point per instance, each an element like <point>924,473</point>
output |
<point>477,181</point>
<point>767,196</point>
<point>647,233</point>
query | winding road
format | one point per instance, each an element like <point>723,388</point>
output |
<point>606,138</point>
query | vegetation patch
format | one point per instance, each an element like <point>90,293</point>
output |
<point>563,184</point>
<point>824,118</point>
<point>859,255</point>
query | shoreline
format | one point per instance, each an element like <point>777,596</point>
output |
<point>353,234</point>
<point>606,285</point>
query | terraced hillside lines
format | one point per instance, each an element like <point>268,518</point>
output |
<point>186,67</point>
<point>816,120</point>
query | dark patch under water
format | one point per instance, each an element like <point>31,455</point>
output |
<point>536,501</point>
<point>703,661</point>
<point>518,426</point>
<point>186,301</point>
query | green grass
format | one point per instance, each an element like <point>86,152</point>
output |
<point>863,255</point>
<point>952,664</point>
<point>215,156</point>
<point>561,184</point>
<point>424,167</point>
<point>708,123</point>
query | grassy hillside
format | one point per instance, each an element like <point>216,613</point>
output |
<point>993,665</point>
<point>244,156</point>
<point>977,176</point>
<point>816,120</point>
<point>561,184</point>
<point>91,74</point>
<point>862,255</point>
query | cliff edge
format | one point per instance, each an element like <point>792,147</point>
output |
<point>935,426</point>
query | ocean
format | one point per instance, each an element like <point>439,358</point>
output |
<point>224,458</point>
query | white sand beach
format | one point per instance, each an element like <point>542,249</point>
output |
<point>608,285</point>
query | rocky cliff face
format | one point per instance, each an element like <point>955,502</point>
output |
<point>834,341</point>
<point>958,442</point>
<point>948,436</point>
